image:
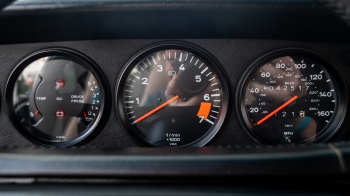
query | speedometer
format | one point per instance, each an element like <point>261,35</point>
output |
<point>291,96</point>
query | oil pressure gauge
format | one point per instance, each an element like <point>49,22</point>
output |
<point>292,96</point>
<point>56,97</point>
<point>172,95</point>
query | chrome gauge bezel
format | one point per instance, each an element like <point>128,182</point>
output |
<point>203,54</point>
<point>340,88</point>
<point>82,60</point>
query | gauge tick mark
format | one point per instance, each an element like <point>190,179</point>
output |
<point>209,121</point>
<point>154,61</point>
<point>196,62</point>
<point>205,69</point>
<point>213,116</point>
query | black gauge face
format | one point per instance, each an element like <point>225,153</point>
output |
<point>56,99</point>
<point>291,99</point>
<point>172,96</point>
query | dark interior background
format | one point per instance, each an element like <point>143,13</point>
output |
<point>236,33</point>
<point>111,32</point>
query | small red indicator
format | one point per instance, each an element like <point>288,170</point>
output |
<point>84,113</point>
<point>37,112</point>
<point>60,114</point>
<point>60,83</point>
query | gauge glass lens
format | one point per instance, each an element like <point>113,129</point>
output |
<point>173,98</point>
<point>56,100</point>
<point>290,99</point>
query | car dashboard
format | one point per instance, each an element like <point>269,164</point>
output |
<point>174,97</point>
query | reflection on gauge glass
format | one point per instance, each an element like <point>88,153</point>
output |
<point>292,98</point>
<point>172,95</point>
<point>56,99</point>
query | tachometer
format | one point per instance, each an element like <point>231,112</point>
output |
<point>292,97</point>
<point>55,97</point>
<point>172,95</point>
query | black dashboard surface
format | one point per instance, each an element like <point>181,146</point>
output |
<point>299,20</point>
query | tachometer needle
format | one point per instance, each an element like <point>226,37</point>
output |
<point>155,109</point>
<point>277,110</point>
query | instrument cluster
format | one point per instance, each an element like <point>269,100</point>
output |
<point>176,94</point>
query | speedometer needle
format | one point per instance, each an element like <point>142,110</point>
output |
<point>277,110</point>
<point>155,109</point>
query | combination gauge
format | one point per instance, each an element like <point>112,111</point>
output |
<point>56,97</point>
<point>172,95</point>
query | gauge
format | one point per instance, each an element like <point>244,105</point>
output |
<point>291,96</point>
<point>172,95</point>
<point>56,97</point>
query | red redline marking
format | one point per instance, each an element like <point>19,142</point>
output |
<point>204,110</point>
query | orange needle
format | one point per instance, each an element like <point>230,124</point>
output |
<point>277,110</point>
<point>155,109</point>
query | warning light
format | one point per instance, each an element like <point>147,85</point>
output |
<point>204,110</point>
<point>60,83</point>
<point>60,114</point>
